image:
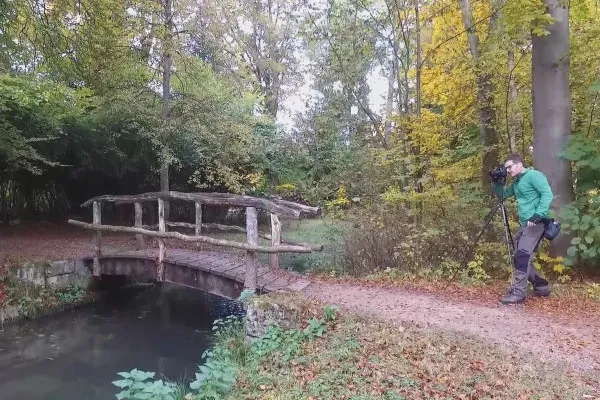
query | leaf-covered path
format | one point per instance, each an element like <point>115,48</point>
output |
<point>523,330</point>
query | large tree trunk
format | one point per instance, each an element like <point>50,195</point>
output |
<point>552,109</point>
<point>418,61</point>
<point>166,94</point>
<point>514,119</point>
<point>485,100</point>
<point>389,103</point>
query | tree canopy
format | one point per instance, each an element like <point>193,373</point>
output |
<point>387,102</point>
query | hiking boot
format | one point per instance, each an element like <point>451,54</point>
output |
<point>541,291</point>
<point>518,291</point>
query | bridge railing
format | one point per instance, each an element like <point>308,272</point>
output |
<point>277,208</point>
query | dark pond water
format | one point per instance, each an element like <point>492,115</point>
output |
<point>76,354</point>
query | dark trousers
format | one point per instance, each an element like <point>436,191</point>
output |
<point>527,240</point>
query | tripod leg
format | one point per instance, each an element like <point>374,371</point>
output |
<point>466,254</point>
<point>507,236</point>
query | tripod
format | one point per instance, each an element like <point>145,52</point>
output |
<point>507,235</point>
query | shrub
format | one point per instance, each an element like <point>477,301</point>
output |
<point>394,239</point>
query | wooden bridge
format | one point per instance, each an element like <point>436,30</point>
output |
<point>220,273</point>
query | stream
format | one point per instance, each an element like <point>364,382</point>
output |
<point>76,354</point>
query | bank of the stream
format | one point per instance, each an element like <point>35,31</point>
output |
<point>76,353</point>
<point>328,355</point>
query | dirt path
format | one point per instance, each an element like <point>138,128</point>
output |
<point>576,343</point>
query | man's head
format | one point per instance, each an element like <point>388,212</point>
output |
<point>514,165</point>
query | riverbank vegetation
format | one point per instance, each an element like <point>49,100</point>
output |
<point>20,299</point>
<point>341,356</point>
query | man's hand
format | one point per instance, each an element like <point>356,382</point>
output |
<point>533,220</point>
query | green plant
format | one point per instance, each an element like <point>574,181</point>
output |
<point>581,217</point>
<point>141,385</point>
<point>287,342</point>
<point>216,376</point>
<point>230,353</point>
<point>246,295</point>
<point>330,313</point>
<point>593,290</point>
<point>230,334</point>
<point>71,294</point>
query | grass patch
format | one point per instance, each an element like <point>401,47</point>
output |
<point>328,232</point>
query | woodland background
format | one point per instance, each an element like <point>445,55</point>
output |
<point>124,97</point>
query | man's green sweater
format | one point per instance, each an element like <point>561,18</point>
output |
<point>533,194</point>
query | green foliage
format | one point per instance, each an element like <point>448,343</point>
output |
<point>141,385</point>
<point>229,334</point>
<point>287,342</point>
<point>216,376</point>
<point>230,354</point>
<point>330,313</point>
<point>31,113</point>
<point>246,295</point>
<point>326,231</point>
<point>32,300</point>
<point>582,216</point>
<point>71,294</point>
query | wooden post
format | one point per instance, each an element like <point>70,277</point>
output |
<point>97,220</point>
<point>139,224</point>
<point>161,242</point>
<point>275,240</point>
<point>251,256</point>
<point>198,227</point>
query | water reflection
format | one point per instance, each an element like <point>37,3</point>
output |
<point>76,354</point>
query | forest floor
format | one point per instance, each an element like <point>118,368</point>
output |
<point>564,327</point>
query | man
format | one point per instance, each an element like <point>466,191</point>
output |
<point>533,194</point>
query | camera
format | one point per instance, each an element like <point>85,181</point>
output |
<point>499,173</point>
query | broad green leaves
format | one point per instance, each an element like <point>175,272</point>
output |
<point>140,385</point>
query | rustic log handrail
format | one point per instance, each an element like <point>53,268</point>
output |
<point>233,228</point>
<point>276,207</point>
<point>188,238</point>
<point>282,208</point>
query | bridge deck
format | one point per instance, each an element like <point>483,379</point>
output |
<point>222,264</point>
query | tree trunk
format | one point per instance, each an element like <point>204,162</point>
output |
<point>552,109</point>
<point>513,122</point>
<point>166,94</point>
<point>485,100</point>
<point>418,62</point>
<point>389,103</point>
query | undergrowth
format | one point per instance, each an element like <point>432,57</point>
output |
<point>230,355</point>
<point>31,300</point>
